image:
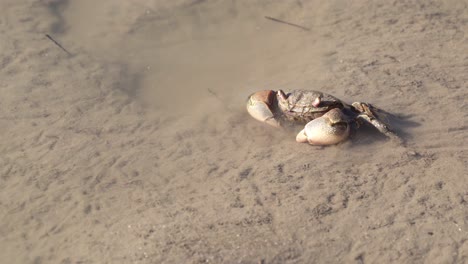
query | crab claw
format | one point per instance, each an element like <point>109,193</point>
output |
<point>329,129</point>
<point>259,106</point>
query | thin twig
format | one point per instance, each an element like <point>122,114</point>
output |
<point>58,44</point>
<point>223,102</point>
<point>287,23</point>
<point>214,94</point>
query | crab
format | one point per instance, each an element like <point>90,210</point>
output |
<point>327,119</point>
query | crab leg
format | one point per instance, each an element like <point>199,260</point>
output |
<point>367,113</point>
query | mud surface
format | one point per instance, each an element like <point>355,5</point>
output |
<point>137,148</point>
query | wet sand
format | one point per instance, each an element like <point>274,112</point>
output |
<point>137,147</point>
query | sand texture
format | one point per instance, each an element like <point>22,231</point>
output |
<point>137,147</point>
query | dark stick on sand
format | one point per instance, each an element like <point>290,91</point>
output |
<point>287,23</point>
<point>58,44</point>
<point>223,102</point>
<point>214,94</point>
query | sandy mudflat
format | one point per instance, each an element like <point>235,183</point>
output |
<point>138,148</point>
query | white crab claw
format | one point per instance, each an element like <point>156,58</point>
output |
<point>301,137</point>
<point>329,129</point>
<point>258,106</point>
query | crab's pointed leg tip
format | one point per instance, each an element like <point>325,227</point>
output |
<point>273,122</point>
<point>397,139</point>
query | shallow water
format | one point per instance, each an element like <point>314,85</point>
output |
<point>138,147</point>
<point>181,51</point>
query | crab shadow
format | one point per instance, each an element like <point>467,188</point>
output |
<point>368,134</point>
<point>399,123</point>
